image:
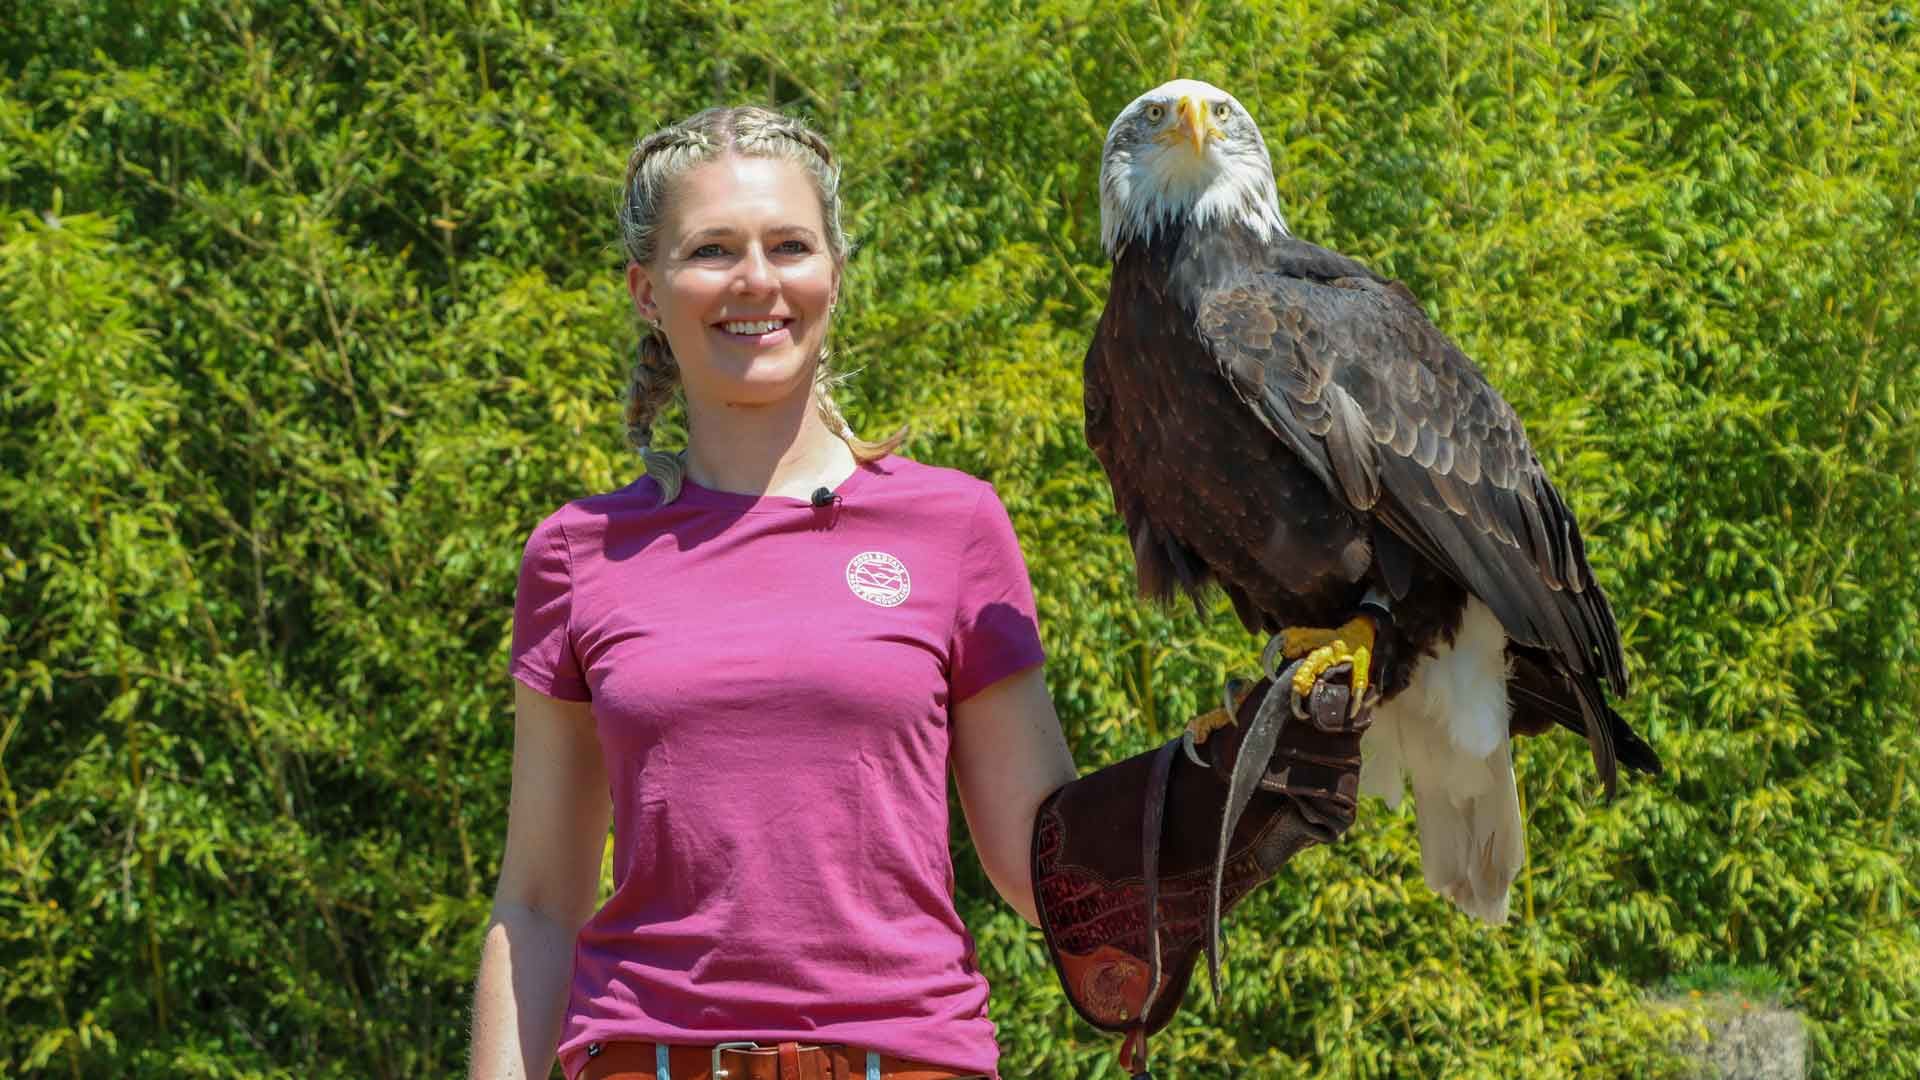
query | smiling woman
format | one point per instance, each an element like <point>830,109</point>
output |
<point>783,888</point>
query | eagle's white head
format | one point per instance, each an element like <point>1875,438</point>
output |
<point>1184,150</point>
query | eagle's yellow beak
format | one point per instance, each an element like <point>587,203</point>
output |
<point>1195,124</point>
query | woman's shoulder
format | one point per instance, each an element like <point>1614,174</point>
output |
<point>923,479</point>
<point>639,496</point>
<point>941,504</point>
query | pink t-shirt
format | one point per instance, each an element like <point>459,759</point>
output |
<point>771,683</point>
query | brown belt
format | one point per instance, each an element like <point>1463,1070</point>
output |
<point>747,1061</point>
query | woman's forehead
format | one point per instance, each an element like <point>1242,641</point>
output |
<point>748,193</point>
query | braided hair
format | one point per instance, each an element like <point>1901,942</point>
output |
<point>657,162</point>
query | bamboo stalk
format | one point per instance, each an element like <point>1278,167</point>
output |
<point>451,790</point>
<point>33,894</point>
<point>1886,828</point>
<point>1526,901</point>
<point>136,773</point>
<point>1147,710</point>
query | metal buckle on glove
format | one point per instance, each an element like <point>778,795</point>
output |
<point>719,1048</point>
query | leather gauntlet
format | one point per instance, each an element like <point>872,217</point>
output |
<point>1133,865</point>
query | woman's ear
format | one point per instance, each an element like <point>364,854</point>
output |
<point>640,287</point>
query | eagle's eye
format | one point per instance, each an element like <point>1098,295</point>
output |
<point>1156,113</point>
<point>1220,110</point>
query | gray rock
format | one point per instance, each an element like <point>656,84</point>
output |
<point>1746,1039</point>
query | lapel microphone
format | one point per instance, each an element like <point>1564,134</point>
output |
<point>824,497</point>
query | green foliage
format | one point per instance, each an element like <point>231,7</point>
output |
<point>311,311</point>
<point>1751,982</point>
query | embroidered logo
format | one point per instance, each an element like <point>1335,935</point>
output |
<point>878,578</point>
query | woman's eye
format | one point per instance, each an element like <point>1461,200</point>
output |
<point>708,251</point>
<point>1155,113</point>
<point>795,247</point>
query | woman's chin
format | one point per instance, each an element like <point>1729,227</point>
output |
<point>763,389</point>
<point>754,379</point>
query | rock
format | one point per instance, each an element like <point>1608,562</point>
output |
<point>1746,1039</point>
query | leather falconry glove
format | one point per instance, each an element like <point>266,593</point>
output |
<point>1134,865</point>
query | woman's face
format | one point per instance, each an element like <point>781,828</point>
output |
<point>741,281</point>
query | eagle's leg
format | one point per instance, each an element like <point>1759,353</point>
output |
<point>1319,650</point>
<point>1292,644</point>
<point>1232,694</point>
<point>1297,641</point>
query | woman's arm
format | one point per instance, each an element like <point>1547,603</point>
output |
<point>549,884</point>
<point>1008,756</point>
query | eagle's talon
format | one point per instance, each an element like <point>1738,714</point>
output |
<point>1233,692</point>
<point>1271,655</point>
<point>1207,723</point>
<point>1187,744</point>
<point>1321,650</point>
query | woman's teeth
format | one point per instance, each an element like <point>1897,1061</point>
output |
<point>761,326</point>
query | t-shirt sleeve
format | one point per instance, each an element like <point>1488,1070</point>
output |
<point>543,656</point>
<point>995,631</point>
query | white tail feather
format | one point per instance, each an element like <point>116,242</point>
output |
<point>1447,733</point>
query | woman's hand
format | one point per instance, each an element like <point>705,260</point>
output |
<point>549,885</point>
<point>1008,756</point>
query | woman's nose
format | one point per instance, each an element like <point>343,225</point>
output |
<point>756,274</point>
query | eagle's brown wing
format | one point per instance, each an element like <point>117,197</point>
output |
<point>1351,375</point>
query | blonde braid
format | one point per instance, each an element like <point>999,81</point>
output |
<point>650,387</point>
<point>864,450</point>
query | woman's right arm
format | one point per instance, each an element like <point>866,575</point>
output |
<point>549,886</point>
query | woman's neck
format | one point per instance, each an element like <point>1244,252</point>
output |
<point>758,451</point>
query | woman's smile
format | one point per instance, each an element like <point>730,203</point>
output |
<point>761,332</point>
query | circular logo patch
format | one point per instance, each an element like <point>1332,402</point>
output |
<point>878,578</point>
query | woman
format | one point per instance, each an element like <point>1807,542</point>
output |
<point>758,659</point>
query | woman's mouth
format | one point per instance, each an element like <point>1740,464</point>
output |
<point>757,331</point>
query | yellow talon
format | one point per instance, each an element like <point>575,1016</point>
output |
<point>1298,641</point>
<point>1316,662</point>
<point>1324,649</point>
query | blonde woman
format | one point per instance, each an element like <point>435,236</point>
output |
<point>758,659</point>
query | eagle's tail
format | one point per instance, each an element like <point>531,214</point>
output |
<point>1447,733</point>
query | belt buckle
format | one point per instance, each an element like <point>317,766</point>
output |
<point>720,1073</point>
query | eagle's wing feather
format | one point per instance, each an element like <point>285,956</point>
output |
<point>1163,564</point>
<point>1349,373</point>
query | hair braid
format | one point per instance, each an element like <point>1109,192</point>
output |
<point>650,387</point>
<point>864,450</point>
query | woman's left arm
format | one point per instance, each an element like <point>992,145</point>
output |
<point>1008,756</point>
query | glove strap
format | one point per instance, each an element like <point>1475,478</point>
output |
<point>1152,828</point>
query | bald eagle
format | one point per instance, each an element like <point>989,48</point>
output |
<point>1283,423</point>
